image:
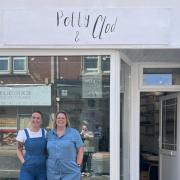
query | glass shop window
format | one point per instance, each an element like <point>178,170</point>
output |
<point>20,95</point>
<point>84,93</point>
<point>76,84</point>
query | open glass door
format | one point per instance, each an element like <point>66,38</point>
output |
<point>169,153</point>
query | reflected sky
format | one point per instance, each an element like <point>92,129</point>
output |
<point>157,79</point>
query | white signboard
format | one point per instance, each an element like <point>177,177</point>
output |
<point>26,96</point>
<point>1,25</point>
<point>67,26</point>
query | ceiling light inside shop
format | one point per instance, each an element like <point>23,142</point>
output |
<point>32,59</point>
<point>65,58</point>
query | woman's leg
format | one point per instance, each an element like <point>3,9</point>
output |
<point>41,176</point>
<point>25,175</point>
<point>72,176</point>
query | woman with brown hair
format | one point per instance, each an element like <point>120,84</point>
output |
<point>33,139</point>
<point>65,150</point>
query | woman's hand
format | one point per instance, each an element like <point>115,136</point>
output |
<point>80,154</point>
<point>19,151</point>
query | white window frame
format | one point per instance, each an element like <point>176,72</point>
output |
<point>137,83</point>
<point>157,87</point>
<point>24,71</point>
<point>7,71</point>
<point>166,151</point>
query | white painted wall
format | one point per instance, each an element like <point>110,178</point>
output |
<point>142,30</point>
<point>85,3</point>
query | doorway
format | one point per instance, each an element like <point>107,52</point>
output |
<point>152,132</point>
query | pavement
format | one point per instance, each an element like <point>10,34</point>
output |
<point>103,177</point>
<point>82,178</point>
<point>9,157</point>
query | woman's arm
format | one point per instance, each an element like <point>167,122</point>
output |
<point>89,135</point>
<point>19,151</point>
<point>80,155</point>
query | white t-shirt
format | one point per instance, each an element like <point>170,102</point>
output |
<point>21,136</point>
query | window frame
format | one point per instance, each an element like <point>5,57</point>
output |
<point>157,87</point>
<point>164,129</point>
<point>14,58</point>
<point>7,71</point>
<point>164,150</point>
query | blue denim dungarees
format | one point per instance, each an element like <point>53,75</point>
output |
<point>62,154</point>
<point>34,167</point>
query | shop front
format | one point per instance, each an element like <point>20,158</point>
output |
<point>98,65</point>
<point>79,85</point>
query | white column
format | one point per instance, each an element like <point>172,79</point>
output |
<point>134,124</point>
<point>115,117</point>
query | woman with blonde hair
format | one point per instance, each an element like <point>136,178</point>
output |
<point>65,150</point>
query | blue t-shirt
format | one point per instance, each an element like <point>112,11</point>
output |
<point>64,147</point>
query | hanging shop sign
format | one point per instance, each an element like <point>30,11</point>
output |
<point>25,96</point>
<point>92,86</point>
<point>72,26</point>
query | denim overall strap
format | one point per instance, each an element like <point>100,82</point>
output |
<point>26,132</point>
<point>43,133</point>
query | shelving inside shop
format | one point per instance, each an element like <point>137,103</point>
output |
<point>149,114</point>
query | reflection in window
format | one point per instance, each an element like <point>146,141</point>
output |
<point>4,65</point>
<point>91,63</point>
<point>66,75</point>
<point>169,124</point>
<point>19,64</point>
<point>125,121</point>
<point>161,76</point>
<point>105,64</point>
<point>85,96</point>
<point>15,92</point>
<point>157,79</point>
<point>13,65</point>
<point>96,64</point>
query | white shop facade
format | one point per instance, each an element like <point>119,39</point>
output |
<point>117,69</point>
